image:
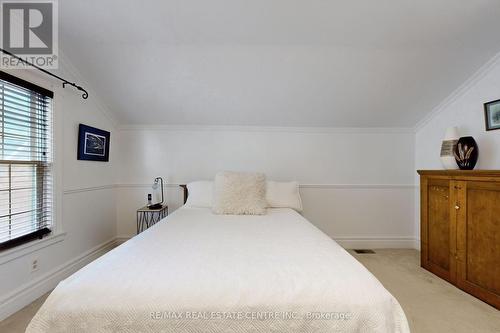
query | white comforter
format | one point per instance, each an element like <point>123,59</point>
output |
<point>199,272</point>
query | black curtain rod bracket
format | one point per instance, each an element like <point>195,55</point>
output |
<point>65,82</point>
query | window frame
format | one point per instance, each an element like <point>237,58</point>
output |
<point>40,232</point>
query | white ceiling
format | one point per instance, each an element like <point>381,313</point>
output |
<point>339,63</point>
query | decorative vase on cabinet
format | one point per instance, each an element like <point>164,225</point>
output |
<point>466,153</point>
<point>448,148</point>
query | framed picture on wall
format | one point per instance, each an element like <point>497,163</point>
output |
<point>93,144</point>
<point>492,115</point>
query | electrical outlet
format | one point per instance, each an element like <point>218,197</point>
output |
<point>34,265</point>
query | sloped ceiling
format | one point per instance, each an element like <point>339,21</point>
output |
<point>338,63</point>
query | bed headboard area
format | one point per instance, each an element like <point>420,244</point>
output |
<point>185,192</point>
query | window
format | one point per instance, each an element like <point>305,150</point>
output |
<point>25,161</point>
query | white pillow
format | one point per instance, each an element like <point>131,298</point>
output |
<point>283,195</point>
<point>240,193</point>
<point>200,194</point>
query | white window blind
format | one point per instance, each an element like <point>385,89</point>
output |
<point>25,161</point>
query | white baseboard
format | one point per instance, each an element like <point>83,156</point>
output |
<point>27,293</point>
<point>353,242</point>
<point>376,242</point>
<point>417,245</point>
<point>122,239</point>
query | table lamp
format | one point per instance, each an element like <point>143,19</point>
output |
<point>158,180</point>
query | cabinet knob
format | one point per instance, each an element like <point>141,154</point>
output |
<point>457,207</point>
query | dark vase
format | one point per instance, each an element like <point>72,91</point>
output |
<point>466,153</point>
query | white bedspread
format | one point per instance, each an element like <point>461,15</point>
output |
<point>199,272</point>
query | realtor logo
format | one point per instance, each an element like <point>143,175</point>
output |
<point>29,30</point>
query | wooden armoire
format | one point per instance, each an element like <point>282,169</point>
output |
<point>460,229</point>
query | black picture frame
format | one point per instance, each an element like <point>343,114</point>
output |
<point>492,115</point>
<point>93,144</point>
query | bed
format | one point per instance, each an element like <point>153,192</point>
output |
<point>199,272</point>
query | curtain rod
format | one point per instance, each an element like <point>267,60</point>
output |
<point>65,82</point>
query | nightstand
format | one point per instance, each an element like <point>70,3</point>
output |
<point>147,217</point>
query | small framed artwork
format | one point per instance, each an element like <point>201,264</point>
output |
<point>93,144</point>
<point>492,115</point>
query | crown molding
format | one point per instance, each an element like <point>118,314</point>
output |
<point>273,129</point>
<point>358,186</point>
<point>148,185</point>
<point>459,92</point>
<point>302,186</point>
<point>314,186</point>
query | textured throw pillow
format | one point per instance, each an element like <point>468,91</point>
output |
<point>283,195</point>
<point>240,193</point>
<point>200,194</point>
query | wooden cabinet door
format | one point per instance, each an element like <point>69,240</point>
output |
<point>478,241</point>
<point>438,227</point>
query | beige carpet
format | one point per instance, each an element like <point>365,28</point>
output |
<point>18,322</point>
<point>431,304</point>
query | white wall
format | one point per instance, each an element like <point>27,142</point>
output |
<point>356,183</point>
<point>85,206</point>
<point>464,109</point>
